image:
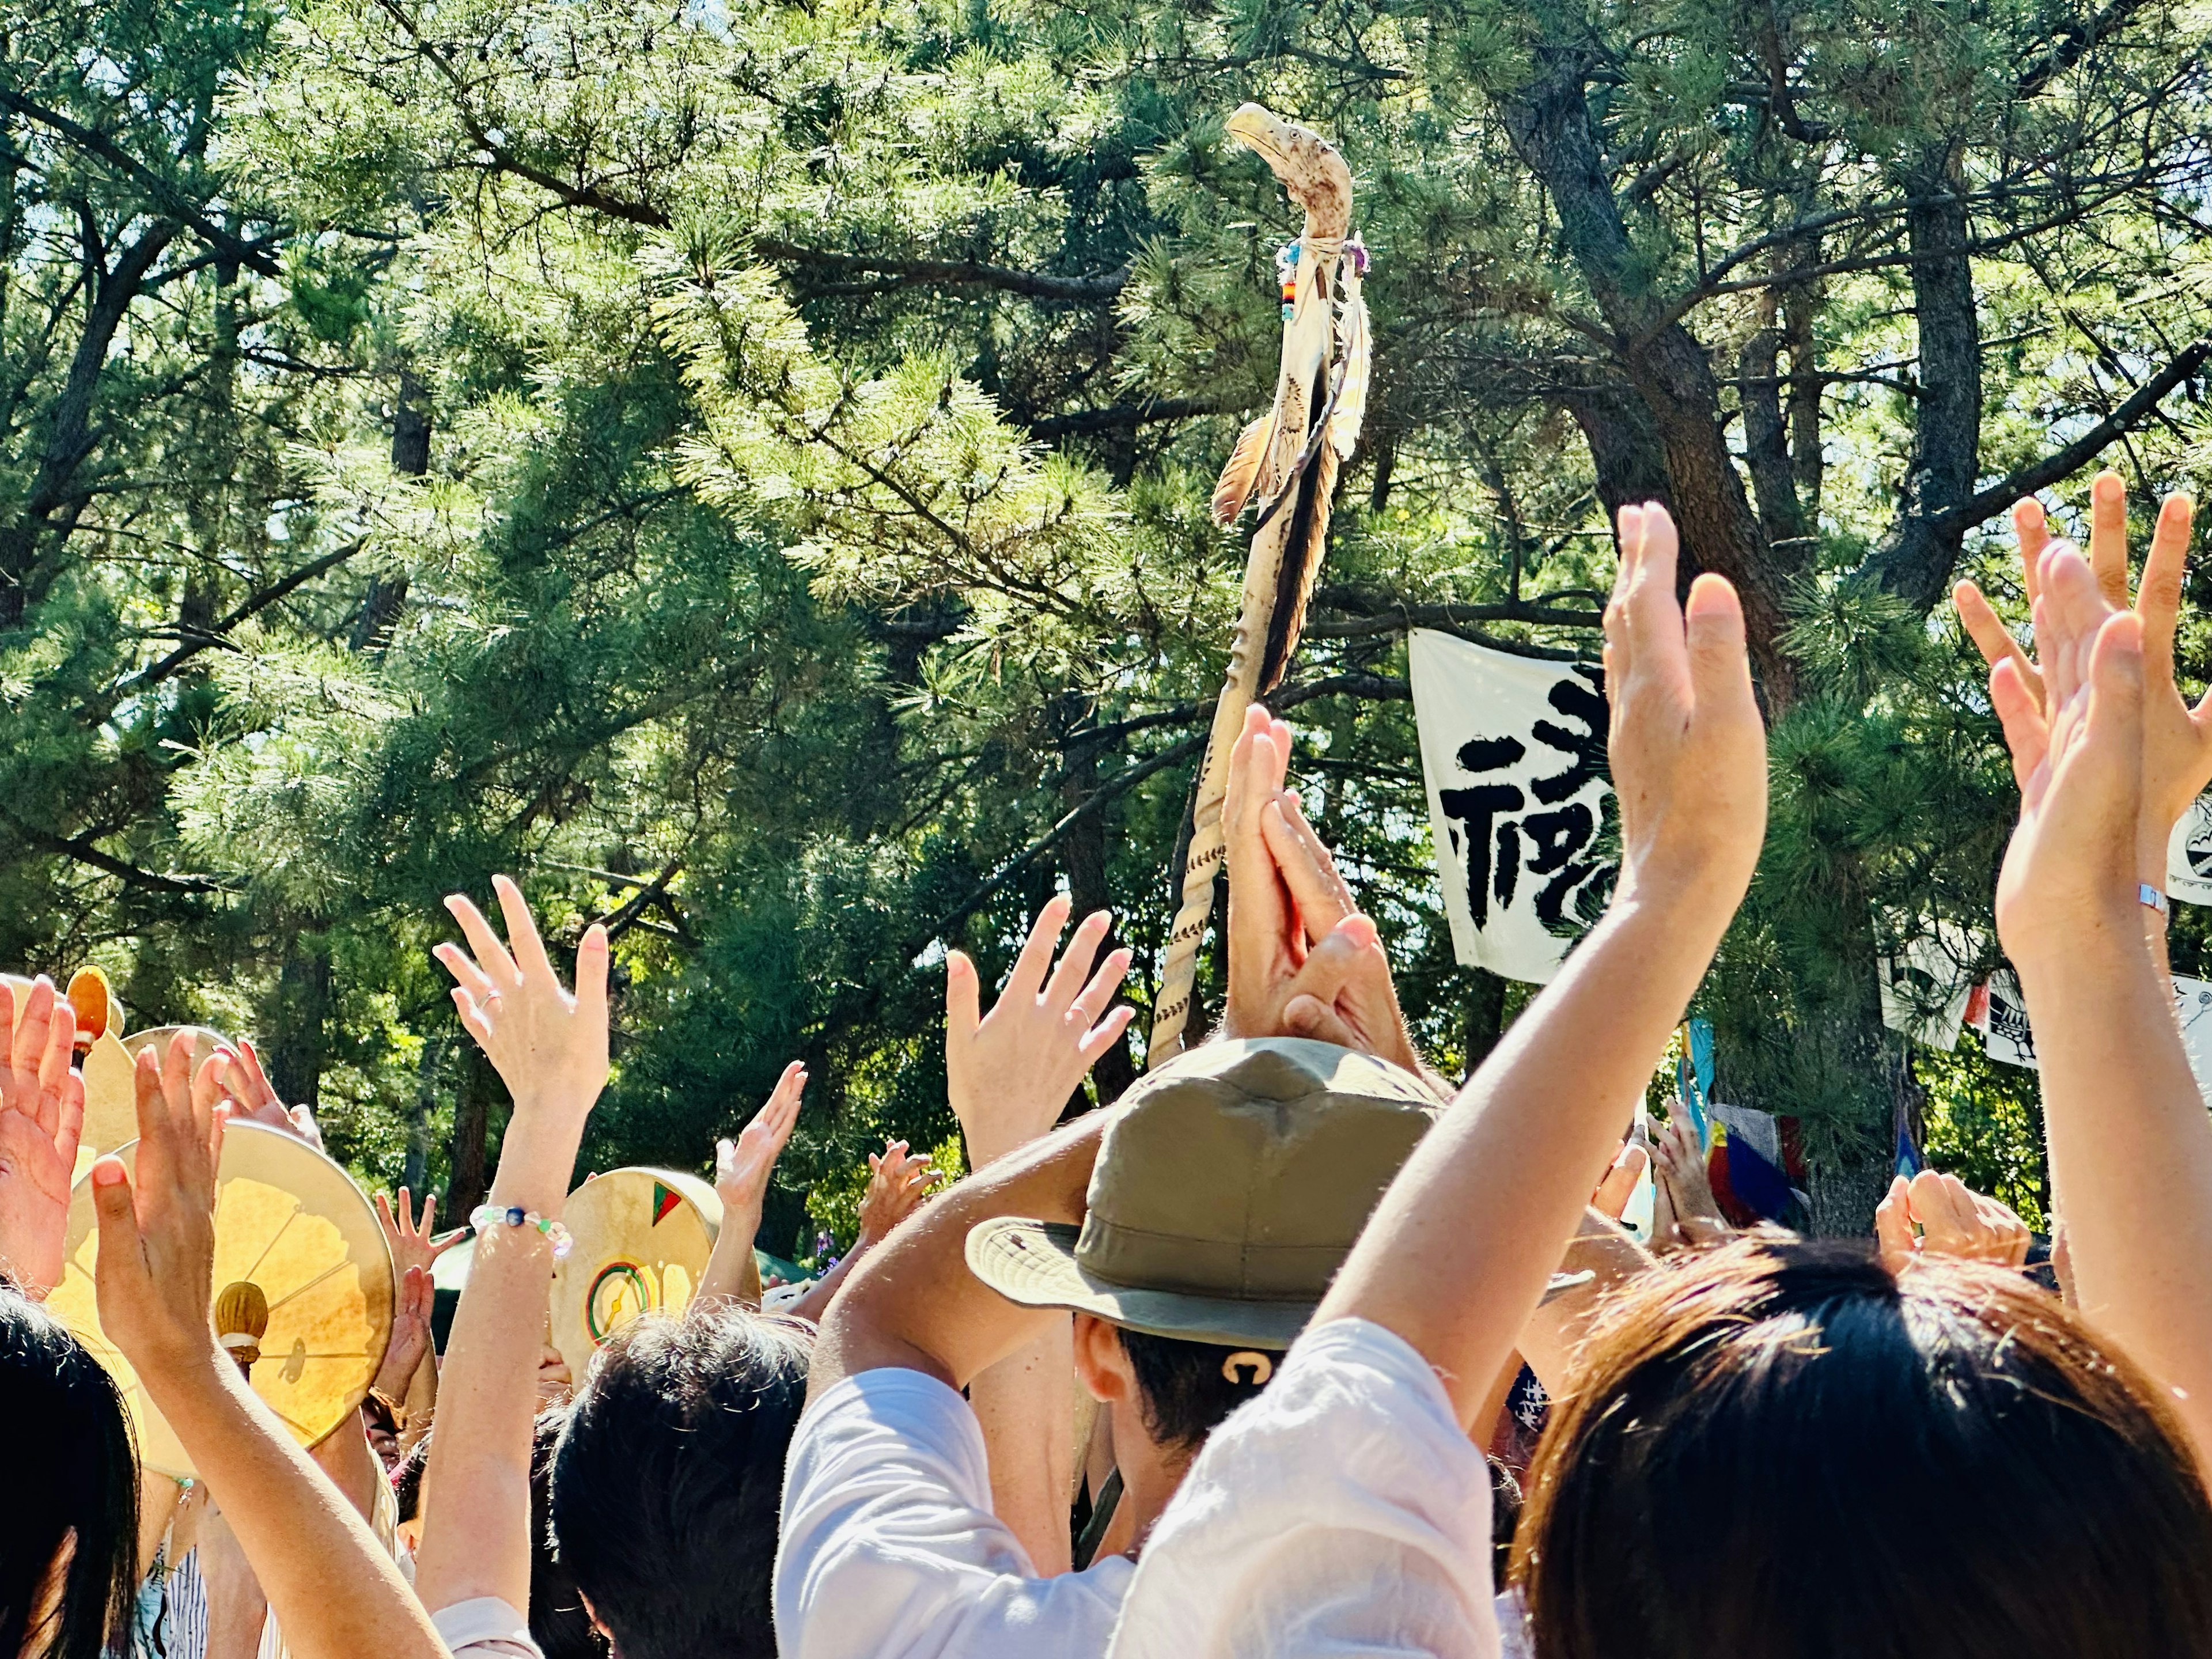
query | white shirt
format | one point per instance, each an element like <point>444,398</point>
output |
<point>485,1628</point>
<point>889,1548</point>
<point>1344,1511</point>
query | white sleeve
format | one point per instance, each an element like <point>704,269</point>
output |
<point>1342,1512</point>
<point>889,1548</point>
<point>485,1628</point>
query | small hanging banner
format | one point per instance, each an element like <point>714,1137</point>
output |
<point>1513,752</point>
<point>2189,854</point>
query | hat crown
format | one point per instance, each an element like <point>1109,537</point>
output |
<point>1245,1170</point>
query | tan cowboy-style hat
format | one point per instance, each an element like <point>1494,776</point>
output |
<point>1228,1188</point>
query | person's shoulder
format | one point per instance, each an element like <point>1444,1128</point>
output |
<point>885,1429</point>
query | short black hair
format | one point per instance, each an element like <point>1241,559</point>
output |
<point>1186,1388</point>
<point>559,1622</point>
<point>71,1468</point>
<point>668,1476</point>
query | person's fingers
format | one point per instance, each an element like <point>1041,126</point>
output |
<point>27,1046</point>
<point>68,1126</point>
<point>1614,1192</point>
<point>120,1262</point>
<point>1027,976</point>
<point>492,960</point>
<point>2033,531</point>
<point>522,940</point>
<point>1991,637</point>
<point>1317,891</point>
<point>1893,1225</point>
<point>429,1214</point>
<point>964,999</point>
<point>54,1064</point>
<point>207,1089</point>
<point>592,956</point>
<point>1102,1036</point>
<point>249,1061</point>
<point>2158,600</point>
<point>2108,536</point>
<point>1947,1224</point>
<point>2116,698</point>
<point>2026,733</point>
<point>2066,616</point>
<point>384,1216</point>
<point>1074,968</point>
<point>1088,1007</point>
<point>1654,618</point>
<point>1720,666</point>
<point>462,966</point>
<point>1307,1016</point>
<point>472,1020</point>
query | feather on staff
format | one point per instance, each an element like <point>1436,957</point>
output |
<point>1287,460</point>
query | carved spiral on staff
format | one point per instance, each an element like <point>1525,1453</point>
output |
<point>1287,460</point>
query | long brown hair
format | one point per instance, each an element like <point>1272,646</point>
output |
<point>1779,1450</point>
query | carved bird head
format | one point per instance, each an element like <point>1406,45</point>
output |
<point>1307,165</point>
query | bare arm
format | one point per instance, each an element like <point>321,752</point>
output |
<point>2131,1144</point>
<point>913,1303</point>
<point>898,1182</point>
<point>1463,1244</point>
<point>742,1169</point>
<point>332,1586</point>
<point>550,1049</point>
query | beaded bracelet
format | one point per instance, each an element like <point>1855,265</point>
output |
<point>485,1217</point>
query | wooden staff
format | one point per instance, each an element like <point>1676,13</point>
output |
<point>1287,460</point>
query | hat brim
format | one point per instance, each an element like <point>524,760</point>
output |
<point>1033,1263</point>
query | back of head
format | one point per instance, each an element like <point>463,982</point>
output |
<point>668,1476</point>
<point>559,1622</point>
<point>71,1469</point>
<point>1781,1451</point>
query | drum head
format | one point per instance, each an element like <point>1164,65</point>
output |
<point>643,1237</point>
<point>292,1222</point>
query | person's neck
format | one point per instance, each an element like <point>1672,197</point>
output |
<point>1150,1475</point>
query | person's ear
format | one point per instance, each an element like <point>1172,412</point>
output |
<point>1102,1361</point>
<point>598,1624</point>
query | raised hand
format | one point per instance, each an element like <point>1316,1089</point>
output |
<point>408,1239</point>
<point>1343,992</point>
<point>1617,1185</point>
<point>549,1046</point>
<point>1688,746</point>
<point>153,1274</point>
<point>2177,737</point>
<point>2078,757</point>
<point>742,1167</point>
<point>1010,1074</point>
<point>41,1116</point>
<point>410,1332</point>
<point>1953,1220</point>
<point>259,1101</point>
<point>898,1182</point>
<point>1679,1165</point>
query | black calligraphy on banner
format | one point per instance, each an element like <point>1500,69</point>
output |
<point>1514,750</point>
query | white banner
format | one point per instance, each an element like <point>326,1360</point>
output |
<point>2003,1019</point>
<point>1926,976</point>
<point>1513,752</point>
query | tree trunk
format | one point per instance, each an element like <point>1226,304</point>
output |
<point>470,1178</point>
<point>1916,559</point>
<point>1765,440</point>
<point>303,998</point>
<point>1550,126</point>
<point>1084,849</point>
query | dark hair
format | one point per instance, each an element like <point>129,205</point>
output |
<point>1185,1390</point>
<point>407,1478</point>
<point>1778,1450</point>
<point>668,1476</point>
<point>559,1623</point>
<point>71,1469</point>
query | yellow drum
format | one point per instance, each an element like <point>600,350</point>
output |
<point>643,1237</point>
<point>303,1288</point>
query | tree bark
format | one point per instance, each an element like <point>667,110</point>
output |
<point>1550,126</point>
<point>303,998</point>
<point>1085,853</point>
<point>470,1178</point>
<point>1486,1016</point>
<point>1766,442</point>
<point>1916,558</point>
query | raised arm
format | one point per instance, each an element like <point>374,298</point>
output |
<point>742,1169</point>
<point>1462,1246</point>
<point>333,1587</point>
<point>1010,1074</point>
<point>898,1180</point>
<point>550,1048</point>
<point>2131,1144</point>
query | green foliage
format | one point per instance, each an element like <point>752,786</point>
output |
<point>744,470</point>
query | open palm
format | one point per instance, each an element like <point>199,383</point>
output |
<point>41,1116</point>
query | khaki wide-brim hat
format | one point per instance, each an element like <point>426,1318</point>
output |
<point>1228,1188</point>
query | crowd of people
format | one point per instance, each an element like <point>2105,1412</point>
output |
<point>1298,1348</point>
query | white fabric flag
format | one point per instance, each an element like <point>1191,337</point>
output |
<point>1925,978</point>
<point>2192,1006</point>
<point>1513,752</point>
<point>2002,1021</point>
<point>2189,854</point>
<point>2010,1040</point>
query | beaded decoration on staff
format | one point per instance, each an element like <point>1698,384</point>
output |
<point>1287,461</point>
